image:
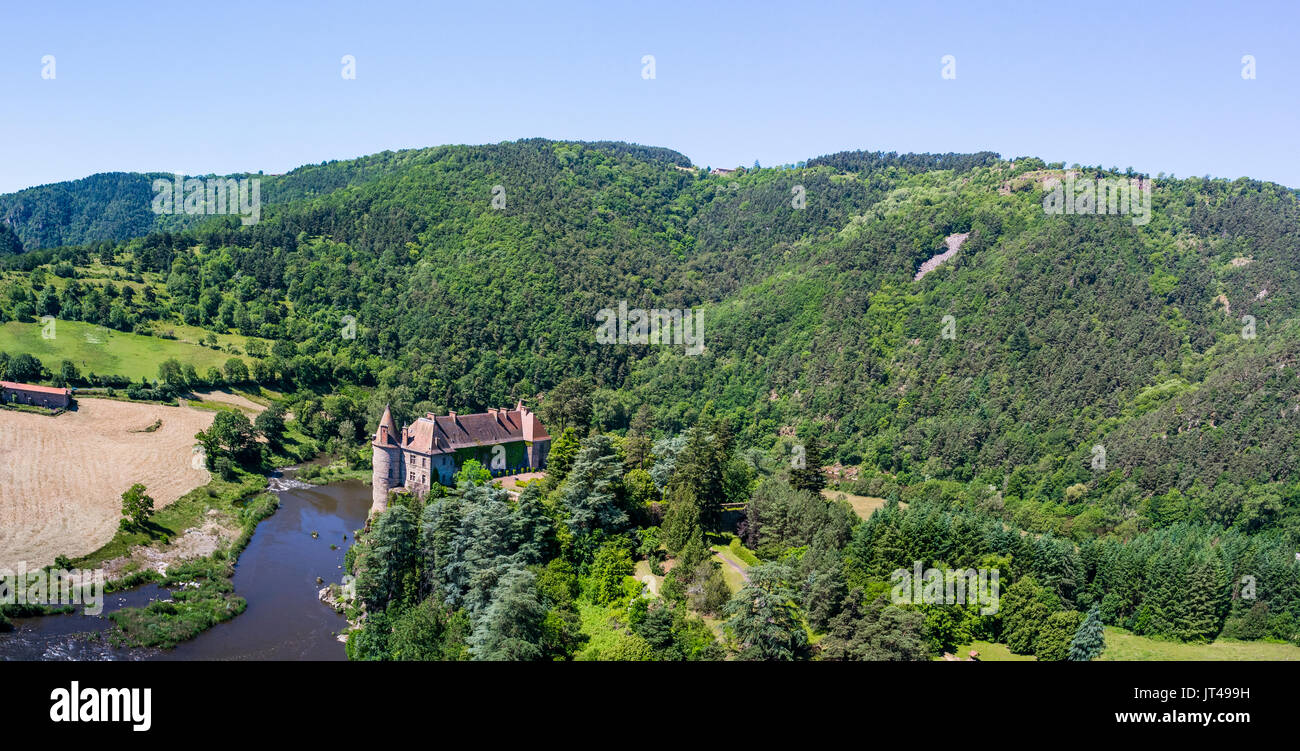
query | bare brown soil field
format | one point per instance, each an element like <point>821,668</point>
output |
<point>62,478</point>
<point>248,406</point>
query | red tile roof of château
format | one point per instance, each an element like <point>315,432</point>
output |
<point>441,434</point>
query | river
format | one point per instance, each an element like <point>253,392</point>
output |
<point>276,574</point>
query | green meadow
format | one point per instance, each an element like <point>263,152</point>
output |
<point>104,351</point>
<point>1122,645</point>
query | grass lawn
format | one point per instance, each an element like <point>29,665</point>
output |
<point>104,351</point>
<point>730,564</point>
<point>643,574</point>
<point>1122,645</point>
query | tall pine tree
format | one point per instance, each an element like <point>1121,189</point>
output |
<point>806,467</point>
<point>1090,640</point>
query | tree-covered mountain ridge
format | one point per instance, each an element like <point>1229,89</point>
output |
<point>116,206</point>
<point>1094,376</point>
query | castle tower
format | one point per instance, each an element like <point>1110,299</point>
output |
<point>535,435</point>
<point>387,463</point>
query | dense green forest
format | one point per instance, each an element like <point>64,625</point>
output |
<point>1102,408</point>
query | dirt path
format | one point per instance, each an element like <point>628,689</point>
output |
<point>652,582</point>
<point>723,555</point>
<point>234,400</point>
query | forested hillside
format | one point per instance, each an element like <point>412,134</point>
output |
<point>1098,380</point>
<point>1069,331</point>
<point>116,206</point>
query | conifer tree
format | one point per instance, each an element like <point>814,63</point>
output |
<point>806,474</point>
<point>1206,590</point>
<point>699,469</point>
<point>763,619</point>
<point>591,492</point>
<point>438,525</point>
<point>562,454</point>
<point>387,569</point>
<point>532,531</point>
<point>511,627</point>
<point>1090,640</point>
<point>697,487</point>
<point>1163,603</point>
<point>682,521</point>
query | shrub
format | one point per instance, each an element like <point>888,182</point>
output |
<point>1055,635</point>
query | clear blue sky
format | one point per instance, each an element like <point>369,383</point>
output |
<point>242,86</point>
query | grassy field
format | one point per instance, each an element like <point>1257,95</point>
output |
<point>1124,646</point>
<point>863,505</point>
<point>194,335</point>
<point>190,510</point>
<point>104,351</point>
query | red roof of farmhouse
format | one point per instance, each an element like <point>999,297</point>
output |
<point>437,434</point>
<point>33,388</point>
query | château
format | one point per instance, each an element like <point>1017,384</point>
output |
<point>434,447</point>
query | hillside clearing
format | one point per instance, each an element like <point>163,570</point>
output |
<point>863,505</point>
<point>99,350</point>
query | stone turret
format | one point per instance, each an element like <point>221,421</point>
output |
<point>387,462</point>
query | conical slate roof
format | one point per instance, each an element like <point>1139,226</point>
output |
<point>386,434</point>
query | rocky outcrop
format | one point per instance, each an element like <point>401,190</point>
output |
<point>954,244</point>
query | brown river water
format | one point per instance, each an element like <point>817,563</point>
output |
<point>276,574</point>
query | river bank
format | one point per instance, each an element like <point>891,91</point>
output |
<point>271,576</point>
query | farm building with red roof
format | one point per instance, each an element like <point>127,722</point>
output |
<point>40,396</point>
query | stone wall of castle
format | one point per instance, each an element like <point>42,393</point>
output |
<point>388,474</point>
